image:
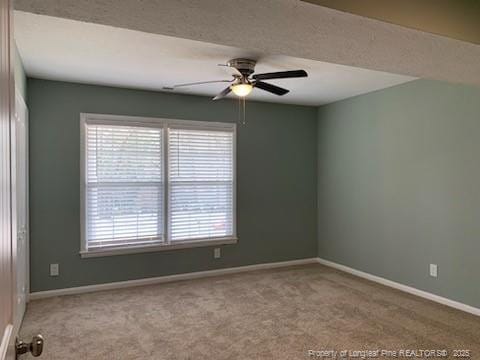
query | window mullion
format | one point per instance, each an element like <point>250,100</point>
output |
<point>161,214</point>
<point>166,180</point>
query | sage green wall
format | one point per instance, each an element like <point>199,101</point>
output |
<point>20,77</point>
<point>399,186</point>
<point>276,183</point>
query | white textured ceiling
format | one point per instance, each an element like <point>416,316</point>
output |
<point>289,27</point>
<point>61,49</point>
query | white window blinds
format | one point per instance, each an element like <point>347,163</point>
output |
<point>201,187</point>
<point>124,185</point>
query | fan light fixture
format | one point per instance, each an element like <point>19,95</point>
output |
<point>242,90</point>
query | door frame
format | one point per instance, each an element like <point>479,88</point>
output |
<point>7,214</point>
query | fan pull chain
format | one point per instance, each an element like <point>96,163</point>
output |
<point>242,111</point>
<point>239,111</point>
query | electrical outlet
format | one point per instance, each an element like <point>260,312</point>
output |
<point>433,270</point>
<point>54,270</point>
<point>216,253</point>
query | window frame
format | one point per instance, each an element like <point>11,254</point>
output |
<point>165,124</point>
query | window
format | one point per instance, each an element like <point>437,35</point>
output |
<point>152,184</point>
<point>201,184</point>
<point>124,185</point>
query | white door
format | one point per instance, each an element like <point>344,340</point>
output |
<point>20,142</point>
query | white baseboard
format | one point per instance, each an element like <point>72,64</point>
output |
<point>5,341</point>
<point>167,278</point>
<point>411,290</point>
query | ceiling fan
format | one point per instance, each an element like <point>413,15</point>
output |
<point>244,79</point>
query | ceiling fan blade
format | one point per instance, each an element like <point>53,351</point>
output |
<point>224,93</point>
<point>201,83</point>
<point>281,75</point>
<point>277,90</point>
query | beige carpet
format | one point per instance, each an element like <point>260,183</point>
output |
<point>275,314</point>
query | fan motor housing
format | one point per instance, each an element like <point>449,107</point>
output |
<point>245,66</point>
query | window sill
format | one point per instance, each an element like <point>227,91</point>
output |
<point>156,247</point>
